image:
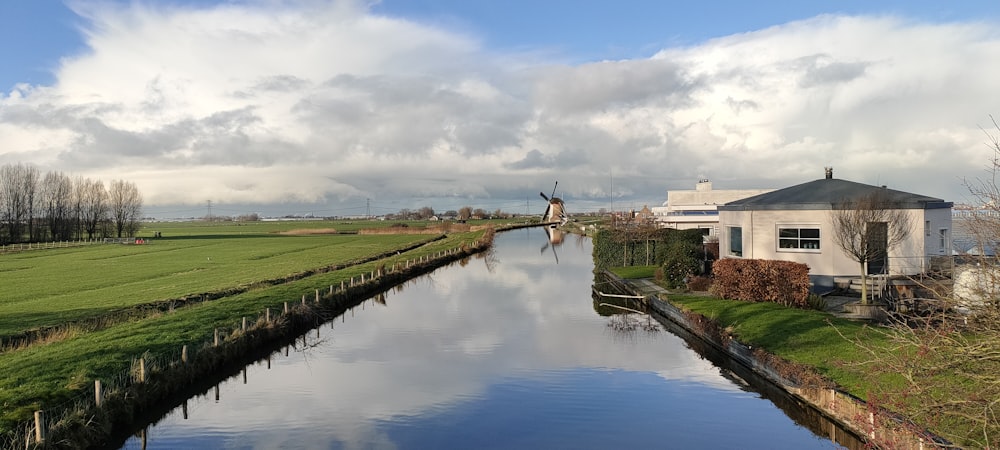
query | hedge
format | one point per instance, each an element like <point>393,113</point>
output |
<point>639,247</point>
<point>762,280</point>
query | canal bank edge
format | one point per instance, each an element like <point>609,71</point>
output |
<point>875,424</point>
<point>96,423</point>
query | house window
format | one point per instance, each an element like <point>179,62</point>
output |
<point>736,241</point>
<point>798,238</point>
<point>943,239</point>
<point>927,228</point>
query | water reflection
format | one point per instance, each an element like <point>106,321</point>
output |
<point>499,352</point>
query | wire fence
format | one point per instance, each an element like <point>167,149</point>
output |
<point>150,378</point>
<point>28,246</point>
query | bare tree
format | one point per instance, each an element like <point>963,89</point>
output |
<point>76,205</point>
<point>57,204</point>
<point>866,228</point>
<point>125,204</point>
<point>465,212</point>
<point>93,200</point>
<point>29,185</point>
<point>940,366</point>
<point>425,212</point>
<point>18,184</point>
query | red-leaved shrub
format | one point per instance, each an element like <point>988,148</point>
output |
<point>762,280</point>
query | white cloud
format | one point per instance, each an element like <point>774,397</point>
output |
<point>266,102</point>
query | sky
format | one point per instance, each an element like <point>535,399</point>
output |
<point>350,107</point>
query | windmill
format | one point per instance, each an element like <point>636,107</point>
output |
<point>555,239</point>
<point>555,213</point>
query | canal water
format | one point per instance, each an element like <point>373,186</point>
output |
<point>504,350</point>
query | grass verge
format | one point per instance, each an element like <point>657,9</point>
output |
<point>808,337</point>
<point>634,272</point>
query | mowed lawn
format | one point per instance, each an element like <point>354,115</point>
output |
<point>41,288</point>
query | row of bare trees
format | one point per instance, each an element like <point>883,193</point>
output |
<point>55,207</point>
<point>463,213</point>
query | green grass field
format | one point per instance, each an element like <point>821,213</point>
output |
<point>50,287</point>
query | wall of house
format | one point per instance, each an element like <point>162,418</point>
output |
<point>760,241</point>
<point>940,219</point>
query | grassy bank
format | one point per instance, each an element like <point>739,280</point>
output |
<point>857,358</point>
<point>812,338</point>
<point>58,373</point>
<point>44,288</point>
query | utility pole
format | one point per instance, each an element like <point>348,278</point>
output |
<point>612,198</point>
<point>368,208</point>
<point>209,216</point>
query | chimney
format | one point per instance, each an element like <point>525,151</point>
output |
<point>829,172</point>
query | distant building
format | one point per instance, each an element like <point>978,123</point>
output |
<point>698,208</point>
<point>644,215</point>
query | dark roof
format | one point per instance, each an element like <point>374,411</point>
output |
<point>827,192</point>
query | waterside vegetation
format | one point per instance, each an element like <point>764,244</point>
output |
<point>936,375</point>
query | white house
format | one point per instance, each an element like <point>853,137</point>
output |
<point>796,223</point>
<point>698,208</point>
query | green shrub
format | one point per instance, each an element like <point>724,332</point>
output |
<point>639,246</point>
<point>816,302</point>
<point>679,263</point>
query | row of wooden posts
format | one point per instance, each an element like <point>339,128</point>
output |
<point>40,429</point>
<point>20,247</point>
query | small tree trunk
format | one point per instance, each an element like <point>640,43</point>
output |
<point>864,283</point>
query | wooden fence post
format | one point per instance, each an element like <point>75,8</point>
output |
<point>244,323</point>
<point>142,370</point>
<point>303,299</point>
<point>216,342</point>
<point>286,307</point>
<point>39,427</point>
<point>98,394</point>
<point>184,354</point>
<point>267,315</point>
<point>317,295</point>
